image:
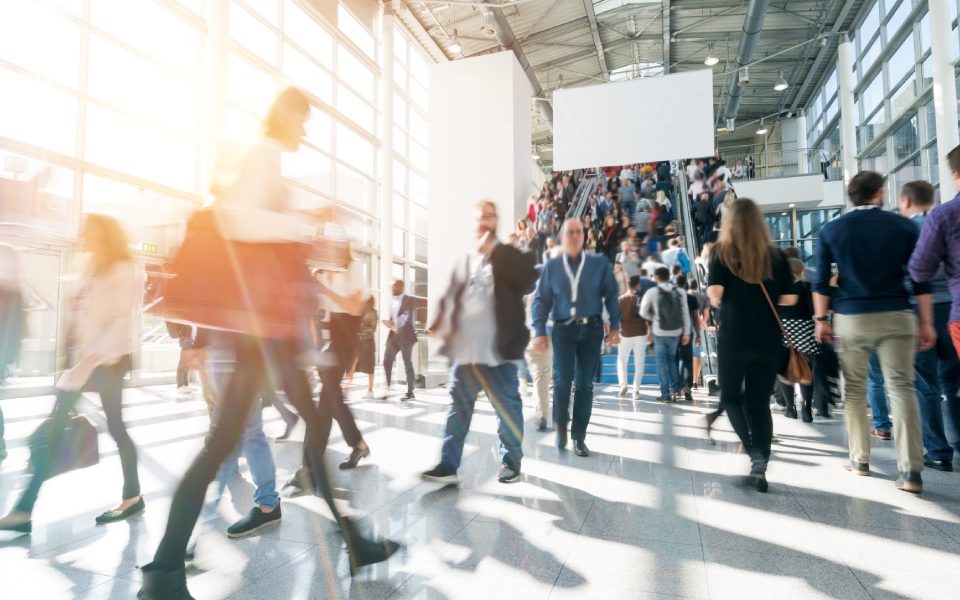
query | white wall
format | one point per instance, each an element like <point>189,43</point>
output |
<point>805,190</point>
<point>479,149</point>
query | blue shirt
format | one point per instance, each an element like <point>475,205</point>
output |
<point>940,243</point>
<point>871,248</point>
<point>597,288</point>
<point>938,285</point>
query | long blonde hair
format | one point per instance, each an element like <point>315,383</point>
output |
<point>744,246</point>
<point>106,241</point>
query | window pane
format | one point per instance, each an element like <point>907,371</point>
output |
<point>399,176</point>
<point>248,86</point>
<point>400,76</point>
<point>126,81</point>
<point>320,129</point>
<point>35,193</point>
<point>902,61</point>
<point>925,33</point>
<point>400,47</point>
<point>872,95</point>
<point>240,126</point>
<point>898,18</point>
<point>253,34</point>
<point>419,67</point>
<point>150,27</point>
<point>869,27</point>
<point>355,31</point>
<point>355,73</point>
<point>418,127</point>
<point>419,95</point>
<point>304,30</point>
<point>398,243</point>
<point>399,141</point>
<point>418,156</point>
<point>354,108</point>
<point>871,55</point>
<point>780,226</point>
<point>354,188</point>
<point>399,212</point>
<point>906,140</point>
<point>809,222</point>
<point>902,98</point>
<point>399,111</point>
<point>265,8</point>
<point>418,189</point>
<point>354,150</point>
<point>307,74</point>
<point>36,113</point>
<point>40,40</point>
<point>128,146</point>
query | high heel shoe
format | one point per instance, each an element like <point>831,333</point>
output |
<point>363,552</point>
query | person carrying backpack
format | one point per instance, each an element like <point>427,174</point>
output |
<point>666,308</point>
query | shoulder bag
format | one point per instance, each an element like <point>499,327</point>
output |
<point>797,369</point>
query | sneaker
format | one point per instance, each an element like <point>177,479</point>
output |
<point>441,474</point>
<point>623,391</point>
<point>910,482</point>
<point>881,434</point>
<point>857,468</point>
<point>184,391</point>
<point>368,395</point>
<point>255,520</point>
<point>508,474</point>
<point>407,396</point>
<point>688,396</point>
<point>757,481</point>
<point>636,395</point>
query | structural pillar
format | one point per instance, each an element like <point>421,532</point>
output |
<point>386,164</point>
<point>803,153</point>
<point>848,112</point>
<point>944,91</point>
<point>215,75</point>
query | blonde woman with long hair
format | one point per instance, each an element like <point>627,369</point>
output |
<point>749,341</point>
<point>102,329</point>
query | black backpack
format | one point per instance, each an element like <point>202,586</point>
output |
<point>670,307</point>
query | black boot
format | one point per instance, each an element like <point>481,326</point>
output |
<point>806,412</point>
<point>791,412</point>
<point>362,551</point>
<point>161,584</point>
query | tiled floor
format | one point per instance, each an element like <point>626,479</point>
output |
<point>655,512</point>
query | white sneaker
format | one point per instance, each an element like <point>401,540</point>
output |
<point>185,390</point>
<point>623,392</point>
<point>636,394</point>
<point>368,395</point>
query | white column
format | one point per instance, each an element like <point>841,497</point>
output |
<point>803,153</point>
<point>944,91</point>
<point>848,113</point>
<point>215,92</point>
<point>386,164</point>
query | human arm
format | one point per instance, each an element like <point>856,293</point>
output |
<point>685,338</point>
<point>647,309</point>
<point>926,334</point>
<point>540,309</point>
<point>930,249</point>
<point>611,299</point>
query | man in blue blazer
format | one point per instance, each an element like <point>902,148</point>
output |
<point>402,336</point>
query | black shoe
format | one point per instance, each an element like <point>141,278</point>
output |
<point>118,515</point>
<point>861,469</point>
<point>407,396</point>
<point>791,412</point>
<point>255,520</point>
<point>757,481</point>
<point>665,399</point>
<point>163,585</point>
<point>355,456</point>
<point>288,429</point>
<point>542,425</point>
<point>688,396</point>
<point>807,414</point>
<point>441,474</point>
<point>910,482</point>
<point>364,552</point>
<point>562,437</point>
<point>508,474</point>
<point>580,448</point>
<point>939,465</point>
<point>25,527</point>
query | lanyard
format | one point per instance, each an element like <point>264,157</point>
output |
<point>574,281</point>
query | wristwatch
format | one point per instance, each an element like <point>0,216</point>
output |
<point>822,319</point>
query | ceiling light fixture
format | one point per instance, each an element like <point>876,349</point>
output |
<point>455,46</point>
<point>763,128</point>
<point>535,155</point>
<point>781,83</point>
<point>711,58</point>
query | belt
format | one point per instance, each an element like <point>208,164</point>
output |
<point>583,320</point>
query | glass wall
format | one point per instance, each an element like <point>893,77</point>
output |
<point>102,112</point>
<point>896,133</point>
<point>799,228</point>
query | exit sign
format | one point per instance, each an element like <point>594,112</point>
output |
<point>149,248</point>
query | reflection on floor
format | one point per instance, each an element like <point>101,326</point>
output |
<point>655,512</point>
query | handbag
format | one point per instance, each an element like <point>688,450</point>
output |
<point>79,446</point>
<point>797,369</point>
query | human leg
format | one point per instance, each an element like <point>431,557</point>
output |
<point>500,385</point>
<point>564,361</point>
<point>896,351</point>
<point>639,362</point>
<point>627,346</point>
<point>465,383</point>
<point>109,380</point>
<point>877,395</point>
<point>759,378</point>
<point>590,339</point>
<point>406,352</point>
<point>389,356</point>
<point>930,402</point>
<point>857,342</point>
<point>541,367</point>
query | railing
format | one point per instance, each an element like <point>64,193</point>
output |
<point>587,187</point>
<point>774,160</point>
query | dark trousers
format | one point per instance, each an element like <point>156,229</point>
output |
<point>575,352</point>
<point>826,379</point>
<point>394,345</point>
<point>343,345</point>
<point>745,383</point>
<point>685,356</point>
<point>107,380</point>
<point>243,387</point>
<point>938,375</point>
<point>789,394</point>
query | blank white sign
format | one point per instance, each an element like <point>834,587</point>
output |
<point>642,120</point>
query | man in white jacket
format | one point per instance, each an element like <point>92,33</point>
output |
<point>666,308</point>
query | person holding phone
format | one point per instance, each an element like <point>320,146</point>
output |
<point>402,338</point>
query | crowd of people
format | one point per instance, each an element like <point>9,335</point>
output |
<point>576,278</point>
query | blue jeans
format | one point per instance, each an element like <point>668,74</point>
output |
<point>254,443</point>
<point>576,353</point>
<point>877,396</point>
<point>938,375</point>
<point>500,385</point>
<point>668,367</point>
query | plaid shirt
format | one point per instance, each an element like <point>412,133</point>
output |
<point>940,243</point>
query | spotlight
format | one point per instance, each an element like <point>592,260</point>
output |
<point>763,128</point>
<point>711,58</point>
<point>455,46</point>
<point>781,83</point>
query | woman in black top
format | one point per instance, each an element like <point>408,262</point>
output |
<point>798,321</point>
<point>749,344</point>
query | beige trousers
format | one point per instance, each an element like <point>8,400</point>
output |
<point>893,336</point>
<point>541,369</point>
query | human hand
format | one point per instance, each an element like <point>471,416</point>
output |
<point>685,339</point>
<point>926,337</point>
<point>539,343</point>
<point>823,332</point>
<point>614,338</point>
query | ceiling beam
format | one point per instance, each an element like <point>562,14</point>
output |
<point>592,18</point>
<point>827,49</point>
<point>667,36</point>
